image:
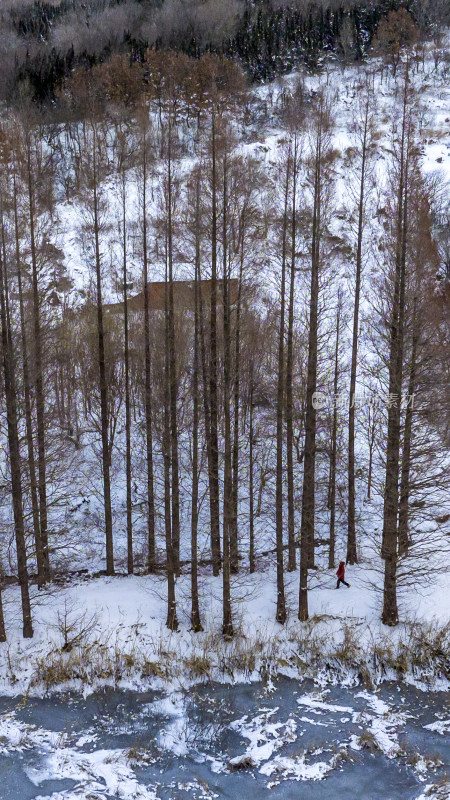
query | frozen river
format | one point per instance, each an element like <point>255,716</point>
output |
<point>245,741</point>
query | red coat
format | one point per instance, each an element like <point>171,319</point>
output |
<point>341,572</point>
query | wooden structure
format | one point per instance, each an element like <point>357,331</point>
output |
<point>183,296</point>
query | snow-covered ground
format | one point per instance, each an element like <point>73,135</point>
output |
<point>124,640</point>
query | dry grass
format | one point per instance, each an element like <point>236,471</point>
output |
<point>418,649</point>
<point>367,741</point>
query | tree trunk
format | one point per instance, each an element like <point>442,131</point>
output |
<point>332,491</point>
<point>172,621</point>
<point>281,600</point>
<point>2,617</point>
<point>372,431</point>
<point>227,626</point>
<point>173,390</point>
<point>130,560</point>
<point>207,416</point>
<point>309,460</point>
<point>39,381</point>
<point>151,544</point>
<point>237,367</point>
<point>251,489</point>
<point>106,456</point>
<point>352,556</point>
<point>13,442</point>
<point>195,609</point>
<point>28,412</point>
<point>289,375</point>
<point>403,522</point>
<point>391,490</point>
<point>214,444</point>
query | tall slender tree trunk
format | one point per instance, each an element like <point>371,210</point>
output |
<point>28,411</point>
<point>332,491</point>
<point>235,457</point>
<point>130,559</point>
<point>405,487</point>
<point>172,621</point>
<point>2,616</point>
<point>281,599</point>
<point>206,410</point>
<point>228,501</point>
<point>39,380</point>
<point>173,386</point>
<point>195,609</point>
<point>289,374</point>
<point>251,488</point>
<point>391,490</point>
<point>13,442</point>
<point>151,544</point>
<point>213,434</point>
<point>309,461</point>
<point>227,626</point>
<point>352,555</point>
<point>106,454</point>
<point>372,430</point>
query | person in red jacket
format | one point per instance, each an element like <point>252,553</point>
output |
<point>341,575</point>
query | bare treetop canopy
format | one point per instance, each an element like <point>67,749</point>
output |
<point>183,295</point>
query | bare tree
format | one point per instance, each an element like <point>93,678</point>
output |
<point>13,433</point>
<point>334,437</point>
<point>124,156</point>
<point>290,361</point>
<point>396,352</point>
<point>41,571</point>
<point>364,131</point>
<point>281,599</point>
<point>195,609</point>
<point>33,166</point>
<point>144,152</point>
<point>320,157</point>
<point>93,168</point>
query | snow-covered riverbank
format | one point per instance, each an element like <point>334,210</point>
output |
<point>111,631</point>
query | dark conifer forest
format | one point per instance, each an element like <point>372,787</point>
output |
<point>41,42</point>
